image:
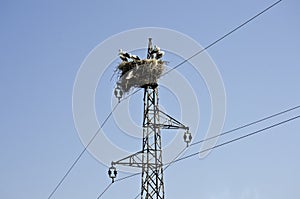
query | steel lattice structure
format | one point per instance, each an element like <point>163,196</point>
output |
<point>152,172</point>
<point>149,159</point>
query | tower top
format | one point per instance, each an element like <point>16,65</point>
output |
<point>134,72</point>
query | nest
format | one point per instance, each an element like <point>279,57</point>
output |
<point>139,73</point>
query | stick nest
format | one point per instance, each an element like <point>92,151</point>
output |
<point>139,73</point>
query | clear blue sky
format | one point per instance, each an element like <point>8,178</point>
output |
<point>43,44</point>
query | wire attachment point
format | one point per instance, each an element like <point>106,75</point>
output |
<point>112,172</point>
<point>187,137</point>
<point>118,92</point>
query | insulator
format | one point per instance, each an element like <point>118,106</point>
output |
<point>187,137</point>
<point>118,93</point>
<point>112,172</point>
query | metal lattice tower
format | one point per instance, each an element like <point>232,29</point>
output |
<point>149,159</point>
<point>152,171</point>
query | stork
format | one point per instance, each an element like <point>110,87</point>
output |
<point>134,57</point>
<point>156,49</point>
<point>124,56</point>
<point>159,54</point>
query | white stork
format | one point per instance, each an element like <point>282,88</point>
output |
<point>124,56</point>
<point>134,57</point>
<point>156,49</point>
<point>157,53</point>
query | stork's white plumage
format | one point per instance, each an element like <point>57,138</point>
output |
<point>159,54</point>
<point>124,56</point>
<point>134,57</point>
<point>156,49</point>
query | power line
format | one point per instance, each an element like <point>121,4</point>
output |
<point>117,180</point>
<point>216,41</point>
<point>104,190</point>
<point>224,36</point>
<point>227,132</point>
<point>135,174</point>
<point>246,125</point>
<point>236,139</point>
<point>120,179</point>
<point>168,165</point>
<point>207,139</point>
<point>178,65</point>
<point>82,152</point>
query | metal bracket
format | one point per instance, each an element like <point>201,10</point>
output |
<point>170,123</point>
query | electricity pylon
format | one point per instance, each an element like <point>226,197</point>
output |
<point>149,159</point>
